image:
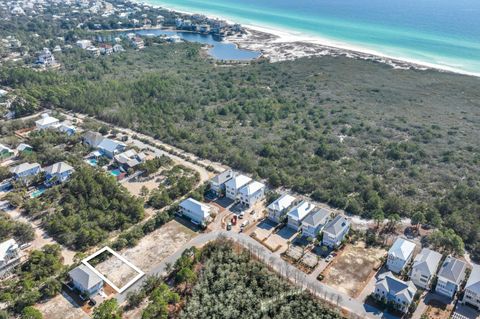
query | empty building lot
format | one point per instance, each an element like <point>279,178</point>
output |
<point>61,307</point>
<point>353,268</point>
<point>158,245</point>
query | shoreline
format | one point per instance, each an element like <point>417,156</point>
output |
<point>277,44</point>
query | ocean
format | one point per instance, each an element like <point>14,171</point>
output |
<point>440,33</point>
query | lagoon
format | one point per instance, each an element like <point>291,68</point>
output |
<point>219,50</point>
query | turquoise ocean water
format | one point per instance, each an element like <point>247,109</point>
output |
<point>444,33</point>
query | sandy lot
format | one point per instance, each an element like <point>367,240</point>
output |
<point>352,269</point>
<point>61,308</point>
<point>116,271</point>
<point>158,245</point>
<point>134,187</point>
<point>281,238</point>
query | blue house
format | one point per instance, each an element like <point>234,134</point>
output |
<point>85,280</point>
<point>58,173</point>
<point>110,147</point>
<point>25,170</point>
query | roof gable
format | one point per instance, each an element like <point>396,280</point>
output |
<point>318,217</point>
<point>452,270</point>
<point>337,225</point>
<point>85,277</point>
<point>402,249</point>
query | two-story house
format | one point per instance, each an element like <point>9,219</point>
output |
<point>425,266</point>
<point>25,171</point>
<point>46,121</point>
<point>130,159</point>
<point>450,276</point>
<point>335,231</point>
<point>110,148</point>
<point>393,290</point>
<point>85,280</point>
<point>400,254</point>
<point>217,184</point>
<point>9,255</point>
<point>313,224</point>
<point>198,213</point>
<point>472,288</point>
<point>279,208</point>
<point>298,213</point>
<point>233,185</point>
<point>251,193</point>
<point>58,173</point>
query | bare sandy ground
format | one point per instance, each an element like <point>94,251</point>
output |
<point>350,272</point>
<point>60,307</point>
<point>150,251</point>
<point>118,272</point>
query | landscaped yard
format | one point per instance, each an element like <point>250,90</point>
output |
<point>352,269</point>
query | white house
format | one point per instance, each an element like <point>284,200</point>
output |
<point>85,280</point>
<point>9,254</point>
<point>25,170</point>
<point>279,207</point>
<point>472,288</point>
<point>199,213</point>
<point>425,267</point>
<point>233,185</point>
<point>46,58</point>
<point>391,289</point>
<point>251,193</point>
<point>83,44</point>
<point>298,213</point>
<point>400,255</point>
<point>450,276</point>
<point>217,184</point>
<point>313,224</point>
<point>5,152</point>
<point>335,231</point>
<point>46,121</point>
<point>58,173</point>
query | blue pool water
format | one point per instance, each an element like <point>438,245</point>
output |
<point>219,50</point>
<point>92,161</point>
<point>444,33</point>
<point>38,192</point>
<point>115,172</point>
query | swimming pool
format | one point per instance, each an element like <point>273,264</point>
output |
<point>38,192</point>
<point>115,172</point>
<point>92,161</point>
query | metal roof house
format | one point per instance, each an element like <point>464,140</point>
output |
<point>450,276</point>
<point>425,267</point>
<point>472,288</point>
<point>9,255</point>
<point>58,173</point>
<point>85,280</point>
<point>46,121</point>
<point>92,139</point>
<point>130,158</point>
<point>233,185</point>
<point>110,147</point>
<point>315,221</point>
<point>394,290</point>
<point>278,208</point>
<point>217,184</point>
<point>298,213</point>
<point>335,231</point>
<point>25,170</point>
<point>251,193</point>
<point>198,213</point>
<point>400,254</point>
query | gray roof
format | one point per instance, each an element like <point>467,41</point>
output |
<point>85,277</point>
<point>109,145</point>
<point>283,202</point>
<point>93,138</point>
<point>473,282</point>
<point>402,248</point>
<point>337,225</point>
<point>319,217</point>
<point>23,167</point>
<point>452,270</point>
<point>58,168</point>
<point>223,177</point>
<point>300,211</point>
<point>427,261</point>
<point>396,286</point>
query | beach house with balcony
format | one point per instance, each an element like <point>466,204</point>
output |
<point>85,280</point>
<point>233,185</point>
<point>424,269</point>
<point>400,254</point>
<point>314,223</point>
<point>472,289</point>
<point>279,208</point>
<point>298,213</point>
<point>25,171</point>
<point>58,173</point>
<point>217,184</point>
<point>335,231</point>
<point>392,290</point>
<point>251,193</point>
<point>450,276</point>
<point>198,213</point>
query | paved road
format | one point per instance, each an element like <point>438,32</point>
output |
<point>283,268</point>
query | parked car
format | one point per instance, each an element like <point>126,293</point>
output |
<point>241,215</point>
<point>92,302</point>
<point>229,226</point>
<point>329,258</point>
